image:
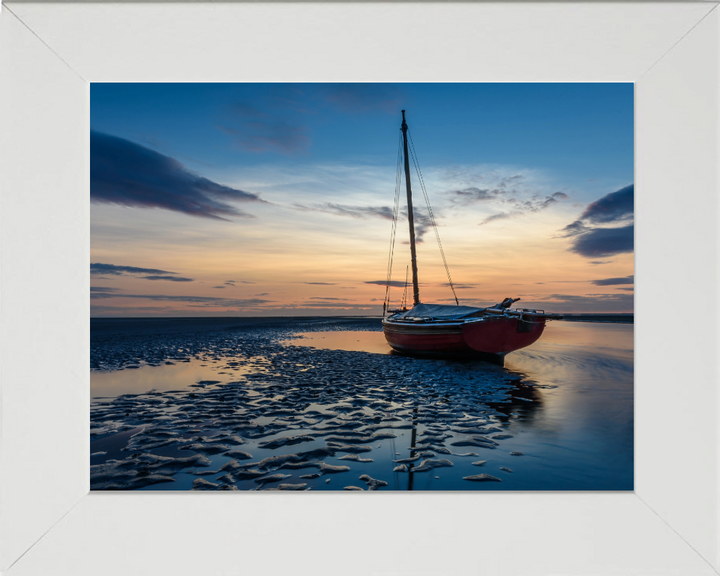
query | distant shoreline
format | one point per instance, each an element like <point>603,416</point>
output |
<point>108,326</point>
<point>612,318</point>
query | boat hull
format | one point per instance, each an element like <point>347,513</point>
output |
<point>490,335</point>
<point>425,339</point>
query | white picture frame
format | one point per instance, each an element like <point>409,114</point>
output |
<point>51,524</point>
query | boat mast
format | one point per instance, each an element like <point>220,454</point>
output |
<point>416,289</point>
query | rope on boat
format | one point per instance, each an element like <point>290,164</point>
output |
<point>432,216</point>
<point>396,207</point>
<point>403,302</point>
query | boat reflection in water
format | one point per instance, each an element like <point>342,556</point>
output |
<point>567,423</point>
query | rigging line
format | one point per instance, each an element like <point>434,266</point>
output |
<point>432,216</point>
<point>403,304</point>
<point>398,182</point>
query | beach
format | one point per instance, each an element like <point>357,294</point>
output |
<point>322,404</point>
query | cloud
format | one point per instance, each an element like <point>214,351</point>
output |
<point>395,283</point>
<point>335,305</point>
<point>513,193</point>
<point>221,287</point>
<point>614,207</point>
<point>256,129</point>
<point>97,268</point>
<point>197,300</point>
<point>362,212</point>
<point>360,98</point>
<point>574,229</point>
<point>128,174</point>
<point>476,194</point>
<point>170,278</point>
<point>603,242</point>
<point>628,289</point>
<point>605,228</point>
<point>615,281</point>
<point>322,298</point>
<point>112,269</point>
<point>422,221</point>
<point>230,283</point>
<point>103,289</point>
<point>125,311</point>
<point>588,303</point>
<point>457,286</point>
<point>494,217</point>
<point>321,283</point>
<point>269,136</point>
<point>529,206</point>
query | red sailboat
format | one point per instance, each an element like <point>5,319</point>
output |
<point>445,329</point>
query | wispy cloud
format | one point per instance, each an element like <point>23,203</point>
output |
<point>362,212</point>
<point>335,305</point>
<point>421,220</point>
<point>98,270</point>
<point>522,207</point>
<point>170,278</point>
<point>103,289</point>
<point>96,310</point>
<point>360,98</point>
<point>113,270</point>
<point>259,130</point>
<point>458,286</point>
<point>395,283</point>
<point>587,303</point>
<point>514,193</point>
<point>197,300</point>
<point>128,174</point>
<point>615,281</point>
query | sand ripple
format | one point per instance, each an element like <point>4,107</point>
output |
<point>271,398</point>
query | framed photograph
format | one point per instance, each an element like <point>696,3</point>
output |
<point>68,73</point>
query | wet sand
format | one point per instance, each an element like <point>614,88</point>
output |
<point>297,404</point>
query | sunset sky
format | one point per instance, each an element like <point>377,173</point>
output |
<point>277,199</point>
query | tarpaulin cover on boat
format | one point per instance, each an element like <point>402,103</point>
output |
<point>444,311</point>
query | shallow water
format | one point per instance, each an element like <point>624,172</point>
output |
<point>352,341</point>
<point>558,417</point>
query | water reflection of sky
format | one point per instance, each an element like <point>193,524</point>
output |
<point>178,375</point>
<point>570,418</point>
<point>580,427</point>
<point>585,420</point>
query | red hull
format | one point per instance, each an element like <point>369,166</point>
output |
<point>493,335</point>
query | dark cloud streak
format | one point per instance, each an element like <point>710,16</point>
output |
<point>99,268</point>
<point>605,228</point>
<point>602,242</point>
<point>614,281</point>
<point>128,174</point>
<point>170,278</point>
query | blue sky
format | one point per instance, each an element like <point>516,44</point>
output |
<point>507,165</point>
<point>580,129</point>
